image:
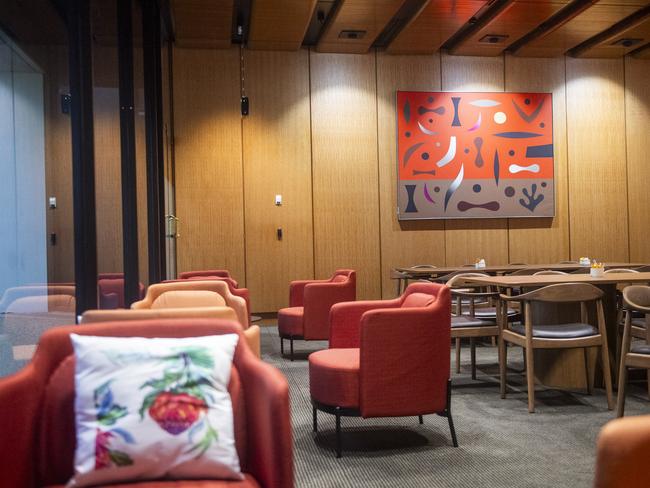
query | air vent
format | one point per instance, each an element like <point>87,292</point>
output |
<point>626,42</point>
<point>352,34</point>
<point>493,38</point>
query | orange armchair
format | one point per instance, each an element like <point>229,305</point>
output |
<point>307,316</point>
<point>197,294</point>
<point>623,447</point>
<point>207,273</point>
<point>386,359</point>
<point>37,409</point>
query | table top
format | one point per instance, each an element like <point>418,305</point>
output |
<point>505,268</point>
<point>543,280</point>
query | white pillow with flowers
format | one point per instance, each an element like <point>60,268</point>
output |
<point>153,408</point>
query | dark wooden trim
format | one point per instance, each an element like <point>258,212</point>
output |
<point>83,154</point>
<point>151,34</point>
<point>127,147</point>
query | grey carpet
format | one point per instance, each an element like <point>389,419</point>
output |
<point>500,443</point>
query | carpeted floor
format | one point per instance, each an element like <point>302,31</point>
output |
<point>500,444</point>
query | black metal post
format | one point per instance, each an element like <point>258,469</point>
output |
<point>153,126</point>
<point>127,145</point>
<point>83,154</point>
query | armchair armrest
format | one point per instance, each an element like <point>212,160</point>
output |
<point>345,320</point>
<point>623,446</point>
<point>270,444</point>
<point>19,404</point>
<point>297,291</point>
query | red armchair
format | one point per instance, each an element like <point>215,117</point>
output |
<point>386,359</point>
<point>37,409</point>
<point>110,287</point>
<point>307,316</point>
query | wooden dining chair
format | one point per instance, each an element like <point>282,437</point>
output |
<point>468,300</point>
<point>569,262</point>
<point>549,272</point>
<point>636,298</point>
<point>532,335</point>
<point>525,272</point>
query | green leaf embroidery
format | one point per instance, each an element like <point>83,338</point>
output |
<point>120,458</point>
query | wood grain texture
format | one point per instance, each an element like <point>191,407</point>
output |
<point>637,112</point>
<point>543,240</point>
<point>203,23</point>
<point>141,165</point>
<point>515,21</point>
<point>596,157</point>
<point>370,16</point>
<point>209,182</point>
<point>467,240</point>
<point>435,23</point>
<point>410,241</point>
<point>345,179</point>
<point>108,178</point>
<point>279,24</point>
<point>592,21</point>
<point>277,160</point>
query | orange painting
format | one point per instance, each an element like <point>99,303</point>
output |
<point>473,155</point>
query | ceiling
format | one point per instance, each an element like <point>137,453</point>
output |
<point>540,28</point>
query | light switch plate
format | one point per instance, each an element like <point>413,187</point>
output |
<point>278,200</point>
<point>52,202</point>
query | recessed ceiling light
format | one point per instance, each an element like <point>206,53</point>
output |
<point>493,38</point>
<point>352,34</point>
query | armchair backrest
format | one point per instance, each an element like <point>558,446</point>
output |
<point>38,405</point>
<point>207,273</point>
<point>12,294</point>
<point>111,292</point>
<point>318,298</point>
<point>154,292</point>
<point>94,316</point>
<point>404,353</point>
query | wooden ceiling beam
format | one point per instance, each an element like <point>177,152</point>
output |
<point>369,17</point>
<point>433,25</point>
<point>279,24</point>
<point>636,20</point>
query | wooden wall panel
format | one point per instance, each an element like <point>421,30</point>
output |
<point>209,183</point>
<point>543,240</point>
<point>277,160</point>
<point>637,112</point>
<point>596,150</point>
<point>467,240</point>
<point>345,180</point>
<point>410,241</point>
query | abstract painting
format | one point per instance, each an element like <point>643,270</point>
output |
<point>474,155</point>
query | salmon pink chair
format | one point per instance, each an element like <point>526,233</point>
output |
<point>110,289</point>
<point>38,419</point>
<point>198,294</point>
<point>307,317</point>
<point>386,359</point>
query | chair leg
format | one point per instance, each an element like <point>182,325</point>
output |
<point>586,355</point>
<point>622,380</point>
<point>452,430</point>
<point>607,373</point>
<point>338,432</point>
<point>494,341</point>
<point>648,384</point>
<point>315,415</point>
<point>530,379</point>
<point>291,342</point>
<point>503,364</point>
<point>472,347</point>
<point>617,354</point>
<point>282,346</point>
<point>457,354</point>
<point>421,418</point>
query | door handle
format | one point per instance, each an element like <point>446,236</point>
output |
<point>172,226</point>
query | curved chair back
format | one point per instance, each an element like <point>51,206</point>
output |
<point>637,298</point>
<point>460,280</point>
<point>549,272</point>
<point>525,272</point>
<point>621,270</point>
<point>562,293</point>
<point>569,262</point>
<point>94,316</point>
<point>155,292</point>
<point>318,298</point>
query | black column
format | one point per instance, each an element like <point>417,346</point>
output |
<point>83,154</point>
<point>127,145</point>
<point>154,137</point>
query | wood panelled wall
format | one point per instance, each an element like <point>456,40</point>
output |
<point>321,132</point>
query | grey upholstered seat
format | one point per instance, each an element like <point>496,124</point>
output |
<point>563,331</point>
<point>467,321</point>
<point>640,348</point>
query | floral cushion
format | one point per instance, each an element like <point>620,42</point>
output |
<point>153,408</point>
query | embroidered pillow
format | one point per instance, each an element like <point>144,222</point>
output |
<point>153,408</point>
